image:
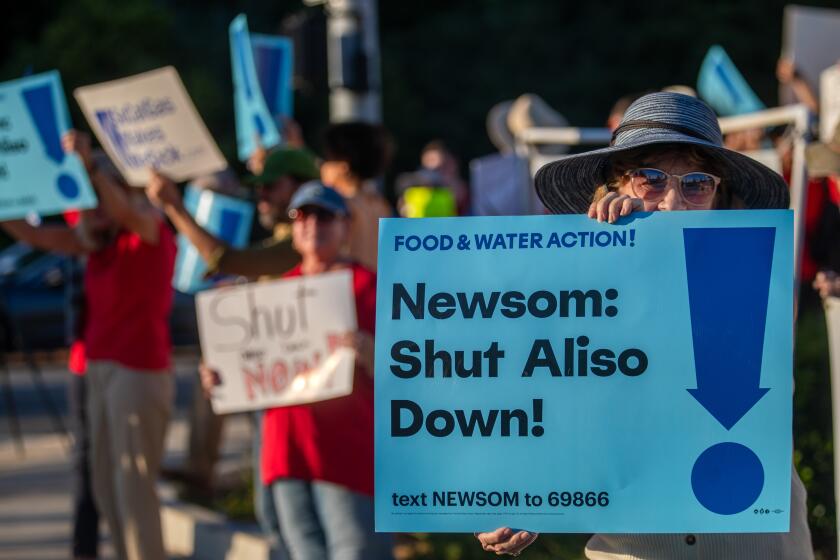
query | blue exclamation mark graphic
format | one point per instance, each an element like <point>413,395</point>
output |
<point>241,45</point>
<point>728,271</point>
<point>39,102</point>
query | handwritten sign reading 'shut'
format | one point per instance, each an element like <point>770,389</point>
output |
<point>278,343</point>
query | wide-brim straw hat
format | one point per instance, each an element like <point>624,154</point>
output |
<point>566,186</point>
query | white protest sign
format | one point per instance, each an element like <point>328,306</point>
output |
<point>810,38</point>
<point>277,343</point>
<point>829,102</point>
<point>149,120</point>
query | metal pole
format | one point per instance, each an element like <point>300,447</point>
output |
<point>353,61</point>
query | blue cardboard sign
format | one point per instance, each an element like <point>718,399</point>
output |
<point>555,374</point>
<point>262,85</point>
<point>36,176</point>
<point>723,87</point>
<point>226,217</point>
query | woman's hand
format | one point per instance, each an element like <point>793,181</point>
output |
<point>210,379</point>
<point>613,206</point>
<point>506,541</point>
<point>77,142</point>
<point>827,283</point>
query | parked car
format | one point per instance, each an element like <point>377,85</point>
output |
<point>35,307</point>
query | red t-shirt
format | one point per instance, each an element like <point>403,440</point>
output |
<point>128,297</point>
<point>330,440</point>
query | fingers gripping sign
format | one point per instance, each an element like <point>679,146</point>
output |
<point>505,540</point>
<point>614,206</point>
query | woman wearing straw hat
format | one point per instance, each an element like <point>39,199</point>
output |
<point>666,154</point>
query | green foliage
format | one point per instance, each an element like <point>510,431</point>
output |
<point>813,455</point>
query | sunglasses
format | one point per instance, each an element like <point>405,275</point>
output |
<point>696,188</point>
<point>321,214</point>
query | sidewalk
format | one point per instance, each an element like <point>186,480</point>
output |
<point>35,499</point>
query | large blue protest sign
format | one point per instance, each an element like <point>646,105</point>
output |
<point>556,374</point>
<point>723,87</point>
<point>35,173</point>
<point>226,217</point>
<point>262,85</point>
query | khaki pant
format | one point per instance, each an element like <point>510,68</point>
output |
<point>129,411</point>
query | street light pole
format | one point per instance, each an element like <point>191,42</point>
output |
<point>353,61</point>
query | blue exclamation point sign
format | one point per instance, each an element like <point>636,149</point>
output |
<point>241,44</point>
<point>39,102</point>
<point>728,273</point>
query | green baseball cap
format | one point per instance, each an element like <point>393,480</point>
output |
<point>294,162</point>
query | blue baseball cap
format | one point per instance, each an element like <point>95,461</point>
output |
<point>316,193</point>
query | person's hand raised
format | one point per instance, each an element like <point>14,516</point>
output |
<point>161,190</point>
<point>74,141</point>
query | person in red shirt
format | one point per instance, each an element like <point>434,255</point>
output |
<point>130,260</point>
<point>318,457</point>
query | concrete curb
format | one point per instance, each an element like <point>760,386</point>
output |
<point>191,531</point>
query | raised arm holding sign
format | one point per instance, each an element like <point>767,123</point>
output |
<point>36,174</point>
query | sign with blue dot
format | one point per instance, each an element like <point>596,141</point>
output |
<point>36,176</point>
<point>556,374</point>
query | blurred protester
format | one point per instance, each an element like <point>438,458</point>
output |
<point>438,158</point>
<point>821,243</point>
<point>131,257</point>
<point>355,154</point>
<point>318,457</point>
<point>824,164</point>
<point>500,182</point>
<point>423,194</point>
<point>788,75</point>
<point>283,171</point>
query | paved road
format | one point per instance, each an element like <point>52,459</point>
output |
<point>35,515</point>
